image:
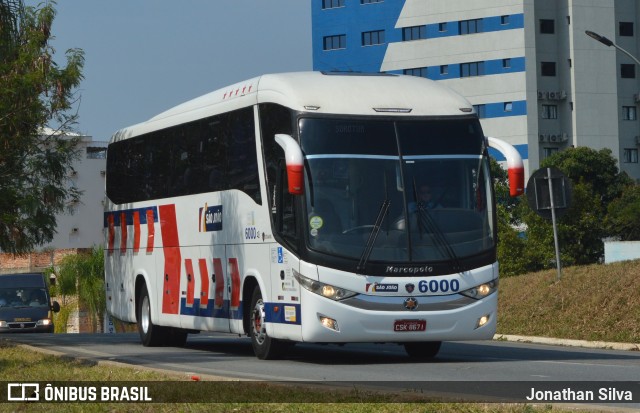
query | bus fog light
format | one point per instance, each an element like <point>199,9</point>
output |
<point>482,321</point>
<point>328,322</point>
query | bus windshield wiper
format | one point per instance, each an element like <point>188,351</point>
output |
<point>425,221</point>
<point>373,235</point>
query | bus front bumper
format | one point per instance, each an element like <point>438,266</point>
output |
<point>328,321</point>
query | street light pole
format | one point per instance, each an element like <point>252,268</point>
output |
<point>609,43</point>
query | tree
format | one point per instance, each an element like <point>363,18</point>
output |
<point>83,275</point>
<point>596,183</point>
<point>623,215</point>
<point>36,152</point>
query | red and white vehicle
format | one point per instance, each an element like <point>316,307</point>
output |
<point>307,207</point>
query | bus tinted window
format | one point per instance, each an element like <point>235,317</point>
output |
<point>349,136</point>
<point>461,137</point>
<point>213,154</point>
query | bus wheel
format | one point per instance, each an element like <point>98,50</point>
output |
<point>264,347</point>
<point>423,350</point>
<point>150,334</point>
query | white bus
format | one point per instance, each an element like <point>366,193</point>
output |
<point>307,207</point>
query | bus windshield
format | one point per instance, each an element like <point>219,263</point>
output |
<point>419,188</point>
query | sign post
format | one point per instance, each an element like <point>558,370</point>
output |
<point>549,193</point>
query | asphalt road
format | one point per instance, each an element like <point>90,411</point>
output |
<point>210,354</point>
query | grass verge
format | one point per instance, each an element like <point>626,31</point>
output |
<point>593,302</point>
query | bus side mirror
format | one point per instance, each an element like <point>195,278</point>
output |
<point>55,307</point>
<point>515,165</point>
<point>295,163</point>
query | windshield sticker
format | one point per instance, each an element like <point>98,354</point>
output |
<point>316,222</point>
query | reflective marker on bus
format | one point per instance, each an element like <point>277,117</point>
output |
<point>307,207</point>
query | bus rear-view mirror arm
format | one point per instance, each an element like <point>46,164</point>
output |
<point>515,166</point>
<point>295,163</point>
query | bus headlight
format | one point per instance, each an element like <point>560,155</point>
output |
<point>325,290</point>
<point>44,322</point>
<point>3,324</point>
<point>480,291</point>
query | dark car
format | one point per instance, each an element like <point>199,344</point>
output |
<point>25,305</point>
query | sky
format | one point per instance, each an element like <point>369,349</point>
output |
<point>145,56</point>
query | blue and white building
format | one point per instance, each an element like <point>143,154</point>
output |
<point>536,80</point>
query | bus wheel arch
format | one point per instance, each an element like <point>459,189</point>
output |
<point>250,284</point>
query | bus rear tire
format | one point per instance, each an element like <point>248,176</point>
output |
<point>424,350</point>
<point>264,347</point>
<point>151,335</point>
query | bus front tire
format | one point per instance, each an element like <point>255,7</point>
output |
<point>424,350</point>
<point>264,347</point>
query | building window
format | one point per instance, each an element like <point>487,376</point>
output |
<point>442,27</point>
<point>481,111</point>
<point>548,68</point>
<point>626,28</point>
<point>549,112</point>
<point>628,71</point>
<point>332,4</point>
<point>629,113</point>
<point>444,69</point>
<point>471,69</point>
<point>96,152</point>
<point>335,42</point>
<point>470,26</point>
<point>630,156</point>
<point>506,63</point>
<point>414,33</point>
<point>547,152</point>
<point>373,38</point>
<point>418,71</point>
<point>508,106</point>
<point>370,1</point>
<point>547,26</point>
<point>504,20</point>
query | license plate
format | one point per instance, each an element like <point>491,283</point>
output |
<point>409,325</point>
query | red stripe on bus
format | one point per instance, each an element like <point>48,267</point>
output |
<point>188,266</point>
<point>112,233</point>
<point>219,277</point>
<point>204,283</point>
<point>235,282</point>
<point>151,231</point>
<point>172,259</point>
<point>136,231</point>
<point>123,232</point>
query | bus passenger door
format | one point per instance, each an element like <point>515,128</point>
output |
<point>283,310</point>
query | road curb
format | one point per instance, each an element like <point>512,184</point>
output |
<point>568,342</point>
